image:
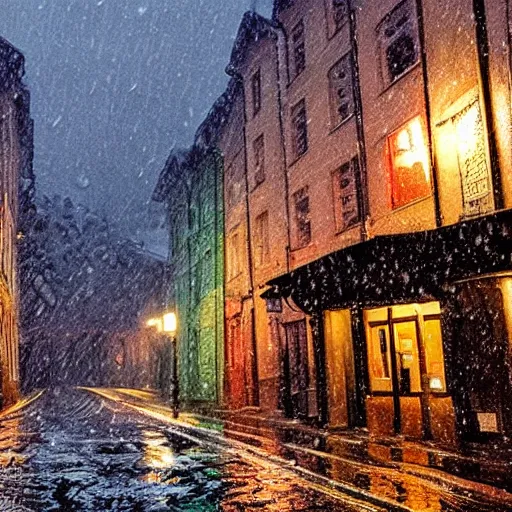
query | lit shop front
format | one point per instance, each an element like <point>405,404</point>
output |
<point>413,333</point>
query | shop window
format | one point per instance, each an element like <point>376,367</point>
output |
<point>410,325</point>
<point>408,164</point>
<point>434,358</point>
<point>302,217</point>
<point>256,92</point>
<point>346,195</point>
<point>259,160</point>
<point>398,41</point>
<point>341,90</point>
<point>300,129</point>
<point>299,48</point>
<point>407,356</point>
<point>379,358</point>
<point>340,12</point>
<point>261,240</point>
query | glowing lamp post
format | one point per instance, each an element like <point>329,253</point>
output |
<point>169,327</point>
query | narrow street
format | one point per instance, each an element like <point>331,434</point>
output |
<point>72,450</point>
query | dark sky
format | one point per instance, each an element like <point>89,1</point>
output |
<point>115,85</point>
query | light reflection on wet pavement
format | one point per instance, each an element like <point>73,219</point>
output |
<point>71,450</point>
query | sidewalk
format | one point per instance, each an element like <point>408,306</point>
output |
<point>409,473</point>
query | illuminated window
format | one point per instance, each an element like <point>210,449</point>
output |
<point>302,217</point>
<point>379,358</point>
<point>394,346</point>
<point>261,245</point>
<point>341,90</point>
<point>299,48</point>
<point>339,12</point>
<point>407,357</point>
<point>300,129</point>
<point>408,164</point>
<point>434,357</point>
<point>256,92</point>
<point>475,174</point>
<point>398,38</point>
<point>346,194</point>
<point>259,160</point>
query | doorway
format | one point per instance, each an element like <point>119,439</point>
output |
<point>296,370</point>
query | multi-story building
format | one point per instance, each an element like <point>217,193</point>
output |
<point>368,184</point>
<point>191,186</point>
<point>15,162</point>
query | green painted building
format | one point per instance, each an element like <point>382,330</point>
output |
<point>191,186</point>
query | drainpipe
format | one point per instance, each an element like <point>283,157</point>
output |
<point>361,141</point>
<point>281,86</point>
<point>428,112</point>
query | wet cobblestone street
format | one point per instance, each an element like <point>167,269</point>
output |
<point>71,450</point>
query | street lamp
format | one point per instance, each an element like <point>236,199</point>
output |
<point>169,327</point>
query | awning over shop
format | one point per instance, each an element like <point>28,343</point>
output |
<point>414,266</point>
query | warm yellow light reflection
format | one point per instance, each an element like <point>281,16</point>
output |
<point>158,455</point>
<point>468,130</point>
<point>170,322</point>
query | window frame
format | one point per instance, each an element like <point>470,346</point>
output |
<point>298,40</point>
<point>261,240</point>
<point>355,169</point>
<point>334,100</point>
<point>299,121</point>
<point>258,147</point>
<point>338,23</point>
<point>387,77</point>
<point>390,160</point>
<point>256,92</point>
<point>303,229</point>
<point>234,260</point>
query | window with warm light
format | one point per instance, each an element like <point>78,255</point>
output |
<point>408,164</point>
<point>477,193</point>
<point>379,358</point>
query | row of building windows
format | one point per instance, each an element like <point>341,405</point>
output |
<point>398,46</point>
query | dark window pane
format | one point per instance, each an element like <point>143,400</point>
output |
<point>401,55</point>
